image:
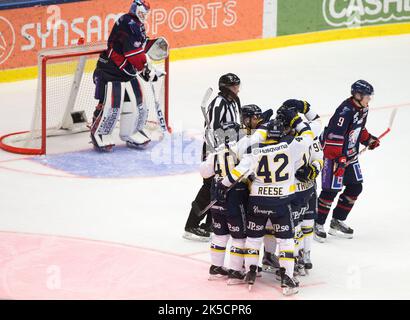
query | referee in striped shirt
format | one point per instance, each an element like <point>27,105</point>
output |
<point>226,107</point>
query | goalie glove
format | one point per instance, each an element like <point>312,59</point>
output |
<point>150,73</point>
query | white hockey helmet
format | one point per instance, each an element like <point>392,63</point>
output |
<point>140,9</point>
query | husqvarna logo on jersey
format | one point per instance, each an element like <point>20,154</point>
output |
<point>7,39</point>
<point>338,13</point>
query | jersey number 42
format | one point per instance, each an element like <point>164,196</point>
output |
<point>280,162</point>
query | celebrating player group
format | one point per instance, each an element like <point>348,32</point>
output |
<point>262,168</point>
<point>259,168</point>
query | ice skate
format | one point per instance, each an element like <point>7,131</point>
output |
<point>235,277</point>
<point>270,262</point>
<point>307,261</point>
<point>197,234</point>
<point>251,276</point>
<point>339,229</point>
<point>319,233</point>
<point>216,273</point>
<point>289,285</point>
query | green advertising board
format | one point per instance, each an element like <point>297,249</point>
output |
<point>300,16</point>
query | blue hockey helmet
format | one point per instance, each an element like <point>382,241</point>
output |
<point>251,110</point>
<point>362,87</point>
<point>140,9</point>
<point>276,129</point>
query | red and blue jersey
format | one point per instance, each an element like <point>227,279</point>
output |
<point>345,131</point>
<point>125,54</point>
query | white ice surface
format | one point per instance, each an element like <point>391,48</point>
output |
<point>151,212</point>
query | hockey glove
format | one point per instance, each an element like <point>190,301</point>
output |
<point>373,142</point>
<point>307,173</point>
<point>150,73</point>
<point>290,115</point>
<point>220,192</point>
<point>341,164</point>
<point>300,105</point>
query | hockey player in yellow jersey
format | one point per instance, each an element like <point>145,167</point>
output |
<point>305,202</point>
<point>274,164</point>
<point>228,213</point>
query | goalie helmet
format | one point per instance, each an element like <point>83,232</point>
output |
<point>140,9</point>
<point>362,87</point>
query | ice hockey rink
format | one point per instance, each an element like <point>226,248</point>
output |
<point>75,224</point>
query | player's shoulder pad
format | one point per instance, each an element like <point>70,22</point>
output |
<point>125,19</point>
<point>346,108</point>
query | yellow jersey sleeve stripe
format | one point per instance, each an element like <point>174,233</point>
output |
<point>304,106</point>
<point>293,120</point>
<point>262,133</point>
<point>308,132</point>
<point>236,173</point>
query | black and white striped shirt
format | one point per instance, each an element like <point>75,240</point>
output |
<point>222,110</point>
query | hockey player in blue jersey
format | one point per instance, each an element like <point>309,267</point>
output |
<point>341,140</point>
<point>117,86</point>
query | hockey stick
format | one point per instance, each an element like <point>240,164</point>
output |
<point>160,115</point>
<point>215,201</point>
<point>384,133</point>
<point>204,103</point>
<point>392,116</point>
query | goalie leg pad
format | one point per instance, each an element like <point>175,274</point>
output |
<point>106,116</point>
<point>134,116</point>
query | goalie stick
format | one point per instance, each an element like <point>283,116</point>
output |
<point>158,111</point>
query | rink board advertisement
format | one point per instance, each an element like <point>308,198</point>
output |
<point>184,23</point>
<point>300,16</point>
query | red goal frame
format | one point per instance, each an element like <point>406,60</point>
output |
<point>44,59</point>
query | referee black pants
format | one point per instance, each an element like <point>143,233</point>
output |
<point>202,199</point>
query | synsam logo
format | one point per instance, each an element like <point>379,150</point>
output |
<point>7,39</point>
<point>338,13</point>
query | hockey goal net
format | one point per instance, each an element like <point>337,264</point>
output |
<point>65,98</point>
